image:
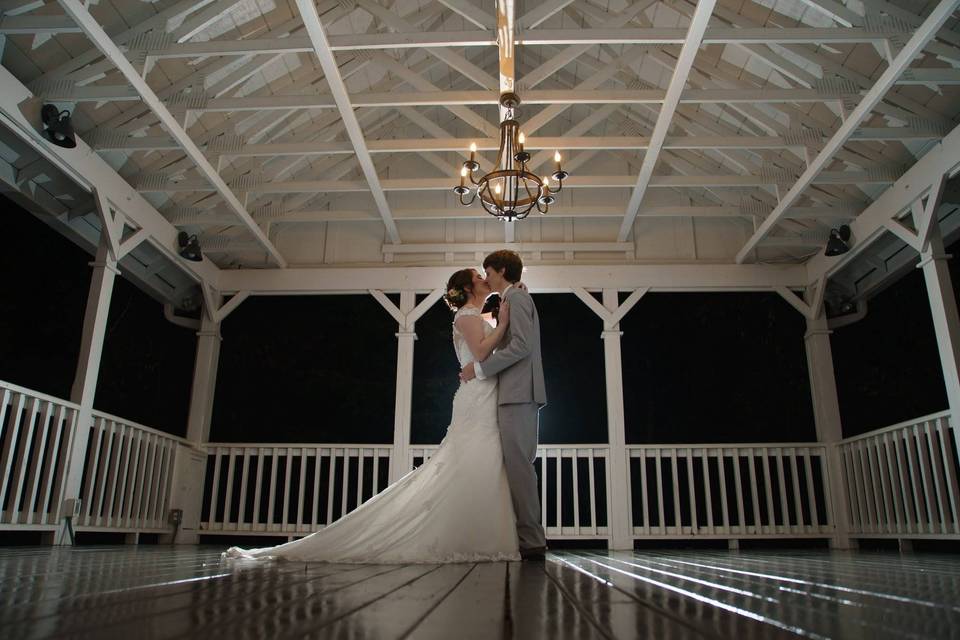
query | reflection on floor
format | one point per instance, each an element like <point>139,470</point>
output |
<point>164,592</point>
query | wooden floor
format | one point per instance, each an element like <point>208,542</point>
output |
<point>163,592</point>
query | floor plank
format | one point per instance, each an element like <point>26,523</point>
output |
<point>185,592</point>
<point>476,608</point>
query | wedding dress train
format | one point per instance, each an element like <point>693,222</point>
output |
<point>455,507</point>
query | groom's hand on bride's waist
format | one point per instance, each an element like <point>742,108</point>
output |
<point>468,373</point>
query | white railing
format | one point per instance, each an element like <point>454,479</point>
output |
<point>127,476</point>
<point>35,435</point>
<point>289,489</point>
<point>901,481</point>
<point>127,467</point>
<point>573,499</point>
<point>729,490</point>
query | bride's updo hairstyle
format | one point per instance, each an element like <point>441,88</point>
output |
<point>459,288</point>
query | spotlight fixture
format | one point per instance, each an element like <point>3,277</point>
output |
<point>189,247</point>
<point>57,127</point>
<point>839,241</point>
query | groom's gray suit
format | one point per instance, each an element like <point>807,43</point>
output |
<point>521,394</point>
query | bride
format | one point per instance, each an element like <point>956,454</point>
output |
<point>456,507</point>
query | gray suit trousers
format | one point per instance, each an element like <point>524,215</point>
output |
<point>518,434</point>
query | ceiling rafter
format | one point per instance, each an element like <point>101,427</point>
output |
<point>695,32</point>
<point>940,14</point>
<point>311,20</point>
<point>96,33</point>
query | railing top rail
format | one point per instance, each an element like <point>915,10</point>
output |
<point>732,445</point>
<point>897,427</point>
<point>137,425</point>
<point>564,447</point>
<point>37,394</point>
<point>293,445</point>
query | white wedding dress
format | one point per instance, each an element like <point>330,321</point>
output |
<point>455,507</point>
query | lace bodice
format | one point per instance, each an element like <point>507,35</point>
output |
<point>459,342</point>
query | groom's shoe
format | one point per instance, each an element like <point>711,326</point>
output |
<point>533,554</point>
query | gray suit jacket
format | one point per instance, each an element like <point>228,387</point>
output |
<point>518,360</point>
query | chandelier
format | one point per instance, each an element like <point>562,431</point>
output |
<point>510,191</point>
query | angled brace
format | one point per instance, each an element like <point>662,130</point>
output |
<point>407,320</point>
<point>113,225</point>
<point>611,317</point>
<point>211,303</point>
<point>924,217</point>
<point>812,307</point>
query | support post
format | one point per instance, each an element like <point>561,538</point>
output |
<point>190,462</point>
<point>406,316</point>
<point>946,321</point>
<point>619,507</point>
<point>88,370</point>
<point>406,336</point>
<point>826,415</point>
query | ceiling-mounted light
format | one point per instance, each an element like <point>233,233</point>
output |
<point>839,240</point>
<point>57,127</point>
<point>189,247</point>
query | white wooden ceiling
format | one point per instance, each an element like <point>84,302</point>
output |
<point>274,177</point>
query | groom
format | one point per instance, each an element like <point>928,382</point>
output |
<point>521,394</point>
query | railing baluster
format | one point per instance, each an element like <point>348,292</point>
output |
<point>782,483</point>
<point>559,476</point>
<point>593,506</point>
<point>146,468</point>
<point>213,521</point>
<point>797,505</point>
<point>303,488</point>
<point>271,496</point>
<point>331,475</point>
<point>228,493</point>
<point>771,526</point>
<point>244,477</point>
<point>722,474</point>
<point>754,489</point>
<point>316,489</point>
<point>345,480</point>
<point>287,489</point>
<point>255,523</point>
<point>738,494</point>
<point>34,480</point>
<point>674,474</point>
<point>576,494</point>
<point>896,525</point>
<point>661,522</point>
<point>945,440</point>
<point>811,493</point>
<point>909,509</point>
<point>705,462</point>
<point>22,456</point>
<point>133,473</point>
<point>936,467</point>
<point>54,468</point>
<point>8,454</point>
<point>883,469</point>
<point>692,492</point>
<point>923,459</point>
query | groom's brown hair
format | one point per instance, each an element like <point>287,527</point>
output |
<point>507,261</point>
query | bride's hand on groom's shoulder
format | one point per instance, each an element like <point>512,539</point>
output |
<point>522,286</point>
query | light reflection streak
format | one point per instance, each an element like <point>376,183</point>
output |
<point>833,587</point>
<point>715,603</point>
<point>706,583</point>
<point>165,584</point>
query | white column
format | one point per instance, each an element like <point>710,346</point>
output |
<point>204,381</point>
<point>406,336</point>
<point>619,499</point>
<point>88,368</point>
<point>826,415</point>
<point>946,321</point>
<point>190,462</point>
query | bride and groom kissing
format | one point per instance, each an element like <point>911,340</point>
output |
<point>476,498</point>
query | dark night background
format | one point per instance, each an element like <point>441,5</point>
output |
<point>697,367</point>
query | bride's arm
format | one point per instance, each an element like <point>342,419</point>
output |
<point>472,329</point>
